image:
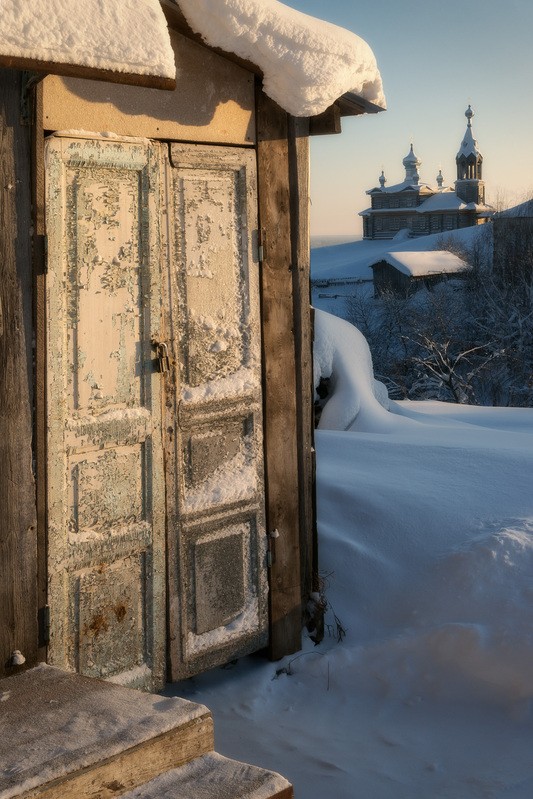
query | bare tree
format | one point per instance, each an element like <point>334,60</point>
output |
<point>468,340</point>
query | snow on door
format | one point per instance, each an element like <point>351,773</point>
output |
<point>106,557</point>
<point>215,484</point>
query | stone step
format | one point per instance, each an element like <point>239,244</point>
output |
<point>64,736</point>
<point>215,777</point>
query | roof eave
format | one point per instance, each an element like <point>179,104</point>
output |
<point>90,73</point>
<point>351,104</point>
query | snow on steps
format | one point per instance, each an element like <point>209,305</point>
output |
<point>215,777</point>
<point>64,736</point>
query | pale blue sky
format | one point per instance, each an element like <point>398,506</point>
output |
<point>435,57</point>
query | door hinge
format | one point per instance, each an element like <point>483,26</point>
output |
<point>29,80</point>
<point>269,559</point>
<point>44,625</point>
<point>261,245</point>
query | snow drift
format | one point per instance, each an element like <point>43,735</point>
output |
<point>425,517</point>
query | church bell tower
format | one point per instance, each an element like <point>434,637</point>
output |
<point>469,185</point>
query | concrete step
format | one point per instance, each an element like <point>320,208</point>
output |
<point>215,777</point>
<point>64,736</point>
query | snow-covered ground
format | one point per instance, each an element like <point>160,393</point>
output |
<point>426,548</point>
<point>340,271</point>
<point>354,259</point>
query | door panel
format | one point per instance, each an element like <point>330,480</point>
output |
<point>105,469</point>
<point>215,482</point>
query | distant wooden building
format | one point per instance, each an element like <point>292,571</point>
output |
<point>404,273</point>
<point>512,231</point>
<point>156,453</point>
<point>423,209</point>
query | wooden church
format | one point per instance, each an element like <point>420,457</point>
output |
<point>422,208</point>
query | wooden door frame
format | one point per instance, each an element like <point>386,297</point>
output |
<point>18,539</point>
<point>283,186</point>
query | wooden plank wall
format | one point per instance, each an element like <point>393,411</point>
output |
<point>18,542</point>
<point>213,102</point>
<point>283,211</point>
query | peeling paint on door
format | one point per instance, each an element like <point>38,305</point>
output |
<point>150,256</point>
<point>215,484</point>
<point>105,470</point>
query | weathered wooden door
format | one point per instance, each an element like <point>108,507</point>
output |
<point>106,557</point>
<point>215,484</point>
<point>147,248</point>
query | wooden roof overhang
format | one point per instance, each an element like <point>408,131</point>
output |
<point>89,73</point>
<point>349,104</point>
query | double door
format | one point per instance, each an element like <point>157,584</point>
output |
<point>156,533</point>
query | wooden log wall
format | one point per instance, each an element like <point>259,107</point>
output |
<point>18,542</point>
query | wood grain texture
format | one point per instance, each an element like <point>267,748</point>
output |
<point>280,389</point>
<point>286,793</point>
<point>116,775</point>
<point>91,73</point>
<point>18,543</point>
<point>213,102</point>
<point>326,123</point>
<point>300,246</point>
<point>39,321</point>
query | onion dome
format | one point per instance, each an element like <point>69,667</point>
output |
<point>411,163</point>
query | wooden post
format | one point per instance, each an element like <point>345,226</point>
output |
<point>300,246</point>
<point>280,388</point>
<point>18,547</point>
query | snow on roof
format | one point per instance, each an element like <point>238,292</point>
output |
<point>443,201</point>
<point>424,264</point>
<point>355,259</point>
<point>307,64</point>
<point>449,201</point>
<point>405,185</point>
<point>127,37</point>
<point>440,200</point>
<point>469,144</point>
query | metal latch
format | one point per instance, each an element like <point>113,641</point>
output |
<point>162,356</point>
